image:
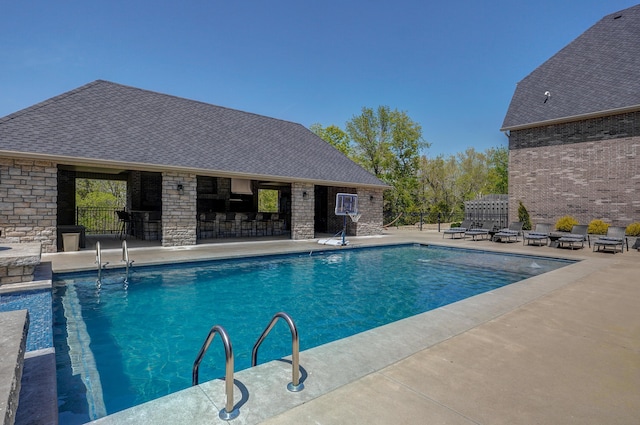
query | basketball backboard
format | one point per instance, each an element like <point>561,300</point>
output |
<point>346,203</point>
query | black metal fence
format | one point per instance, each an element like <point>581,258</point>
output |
<point>490,208</point>
<point>417,219</point>
<point>98,221</point>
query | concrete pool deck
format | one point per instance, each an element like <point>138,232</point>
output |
<point>561,348</point>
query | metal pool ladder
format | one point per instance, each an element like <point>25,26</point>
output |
<point>228,412</point>
<point>100,265</point>
<point>128,263</point>
<point>295,385</point>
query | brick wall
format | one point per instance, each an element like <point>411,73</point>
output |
<point>335,223</point>
<point>28,201</point>
<point>618,126</point>
<point>588,180</point>
<point>370,204</point>
<point>302,211</point>
<point>178,209</point>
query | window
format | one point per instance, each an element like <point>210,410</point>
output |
<point>267,200</point>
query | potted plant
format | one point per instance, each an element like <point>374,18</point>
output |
<point>633,234</point>
<point>566,223</point>
<point>598,227</point>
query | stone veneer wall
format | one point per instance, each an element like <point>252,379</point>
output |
<point>28,201</point>
<point>302,211</point>
<point>588,180</point>
<point>178,210</point>
<point>370,204</point>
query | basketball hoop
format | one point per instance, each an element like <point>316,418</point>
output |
<point>355,216</point>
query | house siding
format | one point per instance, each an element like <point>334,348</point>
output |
<point>599,179</point>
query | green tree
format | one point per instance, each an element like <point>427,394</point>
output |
<point>498,175</point>
<point>335,136</point>
<point>471,181</point>
<point>101,193</point>
<point>437,180</point>
<point>267,200</point>
<point>388,144</point>
<point>447,182</point>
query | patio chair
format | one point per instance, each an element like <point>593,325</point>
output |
<point>125,223</point>
<point>227,226</point>
<point>248,225</point>
<point>482,231</point>
<point>277,224</point>
<point>263,221</point>
<point>539,235</point>
<point>577,236</point>
<point>453,231</point>
<point>615,237</point>
<point>510,234</point>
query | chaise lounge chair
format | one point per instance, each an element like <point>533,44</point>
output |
<point>539,235</point>
<point>577,236</point>
<point>615,237</point>
<point>481,232</point>
<point>509,234</point>
<point>453,231</point>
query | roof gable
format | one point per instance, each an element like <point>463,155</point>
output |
<point>108,122</point>
<point>597,73</point>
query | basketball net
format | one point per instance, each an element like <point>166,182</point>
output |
<point>355,216</point>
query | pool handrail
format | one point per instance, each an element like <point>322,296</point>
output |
<point>295,385</point>
<point>100,265</point>
<point>228,412</point>
<point>125,259</point>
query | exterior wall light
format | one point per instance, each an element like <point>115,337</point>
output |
<point>180,189</point>
<point>304,194</point>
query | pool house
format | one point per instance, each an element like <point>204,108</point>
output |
<point>194,172</point>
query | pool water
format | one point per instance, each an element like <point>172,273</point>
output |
<point>120,346</point>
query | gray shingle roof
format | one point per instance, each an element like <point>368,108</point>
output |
<point>598,72</point>
<point>104,122</point>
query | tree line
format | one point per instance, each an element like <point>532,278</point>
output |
<point>389,144</point>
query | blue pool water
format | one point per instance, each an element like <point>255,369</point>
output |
<point>118,347</point>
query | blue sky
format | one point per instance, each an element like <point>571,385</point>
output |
<point>451,66</point>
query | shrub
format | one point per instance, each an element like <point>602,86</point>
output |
<point>455,224</point>
<point>566,223</point>
<point>598,227</point>
<point>633,229</point>
<point>523,216</point>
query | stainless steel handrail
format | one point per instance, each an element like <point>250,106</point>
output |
<point>125,258</point>
<point>100,265</point>
<point>228,412</point>
<point>295,385</point>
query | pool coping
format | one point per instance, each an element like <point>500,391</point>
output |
<point>333,365</point>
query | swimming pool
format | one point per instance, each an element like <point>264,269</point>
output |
<point>119,347</point>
